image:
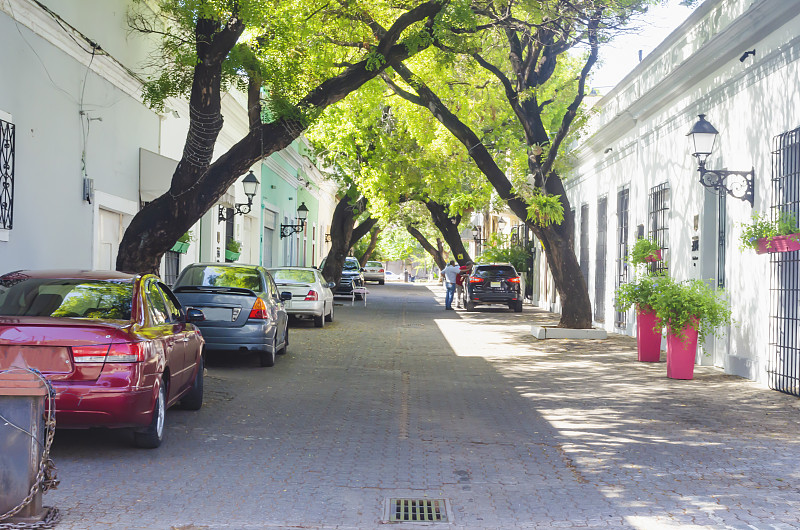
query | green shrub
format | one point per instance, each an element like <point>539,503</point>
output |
<point>677,304</point>
<point>642,250</point>
<point>234,246</point>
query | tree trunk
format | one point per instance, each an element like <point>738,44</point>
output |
<point>373,242</point>
<point>448,226</point>
<point>197,183</point>
<point>556,239</point>
<point>437,253</point>
<point>344,234</point>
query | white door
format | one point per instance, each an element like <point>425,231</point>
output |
<point>110,238</point>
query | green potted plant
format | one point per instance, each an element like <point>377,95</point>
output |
<point>182,244</point>
<point>641,294</point>
<point>233,250</point>
<point>766,236</point>
<point>644,251</point>
<point>691,311</point>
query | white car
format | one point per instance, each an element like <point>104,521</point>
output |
<point>374,272</point>
<point>311,294</point>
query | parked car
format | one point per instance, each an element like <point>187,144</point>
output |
<point>243,309</point>
<point>352,277</point>
<point>374,272</point>
<point>494,283</point>
<point>118,348</point>
<point>392,277</point>
<point>311,294</point>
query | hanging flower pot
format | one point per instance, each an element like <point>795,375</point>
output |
<point>771,245</point>
<point>232,256</point>
<point>648,335</point>
<point>681,351</point>
<point>180,247</point>
<point>654,256</point>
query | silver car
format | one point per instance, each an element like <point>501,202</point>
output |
<point>312,296</point>
<point>243,309</point>
<point>374,272</point>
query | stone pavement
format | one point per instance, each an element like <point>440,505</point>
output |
<point>403,399</point>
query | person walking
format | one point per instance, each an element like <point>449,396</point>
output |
<point>450,273</point>
<point>463,274</point>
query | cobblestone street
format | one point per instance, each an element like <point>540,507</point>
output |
<point>402,399</point>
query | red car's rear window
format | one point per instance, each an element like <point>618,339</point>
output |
<point>66,298</point>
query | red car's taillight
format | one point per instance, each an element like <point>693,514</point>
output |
<point>90,354</point>
<point>259,310</point>
<point>513,280</point>
<point>380,270</point>
<point>125,352</point>
<point>311,296</point>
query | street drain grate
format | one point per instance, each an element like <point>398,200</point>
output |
<point>417,511</point>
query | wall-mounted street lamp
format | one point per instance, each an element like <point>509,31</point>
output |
<point>737,184</point>
<point>476,234</point>
<point>302,213</point>
<point>501,223</point>
<point>327,238</point>
<point>250,185</point>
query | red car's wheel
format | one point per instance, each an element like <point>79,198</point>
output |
<point>152,436</point>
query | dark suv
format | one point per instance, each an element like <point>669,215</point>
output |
<point>352,277</point>
<point>493,283</point>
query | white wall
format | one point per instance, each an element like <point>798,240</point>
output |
<point>44,88</point>
<point>638,140</point>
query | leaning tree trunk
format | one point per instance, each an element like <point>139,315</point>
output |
<point>373,242</point>
<point>448,226</point>
<point>344,234</point>
<point>437,253</point>
<point>556,239</point>
<point>197,183</point>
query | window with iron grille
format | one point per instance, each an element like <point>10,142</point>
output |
<point>658,223</point>
<point>172,266</point>
<point>623,198</point>
<point>7,143</point>
<point>585,242</point>
<point>600,261</point>
<point>783,367</point>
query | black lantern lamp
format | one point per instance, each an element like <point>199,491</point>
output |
<point>302,214</point>
<point>250,185</point>
<point>737,184</point>
<point>476,234</point>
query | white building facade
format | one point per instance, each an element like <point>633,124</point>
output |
<point>635,176</point>
<point>80,152</point>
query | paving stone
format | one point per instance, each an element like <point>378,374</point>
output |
<point>403,399</point>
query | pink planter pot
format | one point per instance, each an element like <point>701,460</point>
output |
<point>681,353</point>
<point>772,245</point>
<point>648,336</point>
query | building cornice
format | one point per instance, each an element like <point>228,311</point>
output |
<point>762,18</point>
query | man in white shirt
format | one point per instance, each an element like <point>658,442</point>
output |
<point>450,273</point>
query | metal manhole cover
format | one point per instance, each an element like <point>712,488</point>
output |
<point>417,511</point>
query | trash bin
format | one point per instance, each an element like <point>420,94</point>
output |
<point>22,439</point>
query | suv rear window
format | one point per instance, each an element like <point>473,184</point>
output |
<point>217,276</point>
<point>351,265</point>
<point>374,264</point>
<point>495,271</point>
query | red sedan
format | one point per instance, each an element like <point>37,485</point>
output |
<point>118,348</point>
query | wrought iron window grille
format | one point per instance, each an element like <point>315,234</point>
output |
<point>7,149</point>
